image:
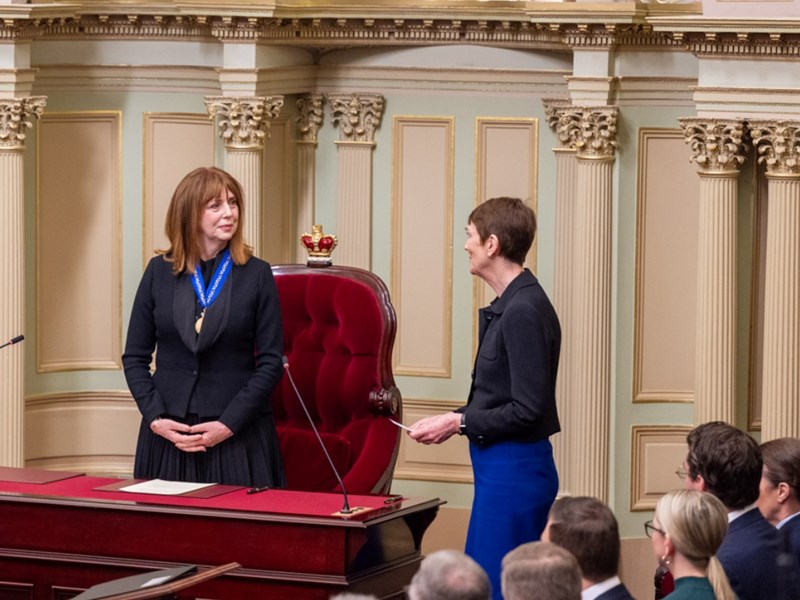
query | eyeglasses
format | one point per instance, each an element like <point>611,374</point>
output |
<point>649,528</point>
<point>682,472</point>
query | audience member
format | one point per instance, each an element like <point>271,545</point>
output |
<point>726,462</point>
<point>686,533</point>
<point>540,571</point>
<point>449,575</point>
<point>779,497</point>
<point>588,529</point>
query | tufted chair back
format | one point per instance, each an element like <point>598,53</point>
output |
<point>338,333</point>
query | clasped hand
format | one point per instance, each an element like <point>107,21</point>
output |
<point>192,438</point>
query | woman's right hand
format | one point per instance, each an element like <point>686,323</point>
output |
<point>175,432</point>
<point>435,430</point>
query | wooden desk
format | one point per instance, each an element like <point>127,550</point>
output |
<point>59,538</point>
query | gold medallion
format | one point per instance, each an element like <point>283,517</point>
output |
<point>198,325</point>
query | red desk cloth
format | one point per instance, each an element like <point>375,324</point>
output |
<point>287,502</point>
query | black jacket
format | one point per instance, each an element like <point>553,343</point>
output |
<point>513,397</point>
<point>230,368</point>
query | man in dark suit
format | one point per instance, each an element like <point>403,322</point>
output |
<point>726,462</point>
<point>588,529</point>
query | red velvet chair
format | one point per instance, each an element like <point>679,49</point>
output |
<point>339,328</point>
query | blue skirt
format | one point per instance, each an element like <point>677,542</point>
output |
<point>515,485</point>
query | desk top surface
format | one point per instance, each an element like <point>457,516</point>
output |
<point>85,489</point>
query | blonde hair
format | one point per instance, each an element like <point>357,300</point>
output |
<point>697,523</point>
<point>182,224</point>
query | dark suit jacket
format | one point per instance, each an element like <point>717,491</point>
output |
<point>750,556</point>
<point>228,371</point>
<point>618,592</point>
<point>512,397</point>
<point>791,535</point>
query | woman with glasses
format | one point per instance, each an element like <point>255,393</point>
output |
<point>687,530</point>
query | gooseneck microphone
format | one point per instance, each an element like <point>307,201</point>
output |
<point>12,341</point>
<point>346,510</point>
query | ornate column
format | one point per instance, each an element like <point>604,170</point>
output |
<point>778,145</point>
<point>593,131</point>
<point>243,122</point>
<point>15,119</point>
<point>308,123</point>
<point>357,116</point>
<point>717,147</point>
<point>565,192</point>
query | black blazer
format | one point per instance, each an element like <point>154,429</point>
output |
<point>513,393</point>
<point>228,371</point>
<point>749,555</point>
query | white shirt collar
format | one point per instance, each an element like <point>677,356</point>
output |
<point>786,520</point>
<point>594,591</point>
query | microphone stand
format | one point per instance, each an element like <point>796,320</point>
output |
<point>346,510</point>
<point>12,341</point>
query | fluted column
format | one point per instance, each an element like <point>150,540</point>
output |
<point>778,146</point>
<point>565,193</point>
<point>308,123</point>
<point>243,122</point>
<point>15,118</point>
<point>357,116</point>
<point>717,147</point>
<point>593,131</point>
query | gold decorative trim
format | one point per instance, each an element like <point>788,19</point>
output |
<point>645,490</point>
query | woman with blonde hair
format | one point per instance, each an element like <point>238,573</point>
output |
<point>687,530</point>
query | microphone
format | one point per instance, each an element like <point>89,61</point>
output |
<point>14,340</point>
<point>346,510</point>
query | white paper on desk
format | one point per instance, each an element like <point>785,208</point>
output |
<point>164,488</point>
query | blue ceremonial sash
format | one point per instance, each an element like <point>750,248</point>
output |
<point>206,296</point>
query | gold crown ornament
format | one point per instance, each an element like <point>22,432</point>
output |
<point>319,246</point>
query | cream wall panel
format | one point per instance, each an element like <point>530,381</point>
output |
<point>505,165</point>
<point>82,431</point>
<point>445,462</point>
<point>666,269</point>
<point>174,145</point>
<point>658,451</point>
<point>422,240</point>
<point>78,242</point>
<point>638,565</point>
<point>277,229</point>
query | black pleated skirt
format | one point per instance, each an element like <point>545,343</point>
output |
<point>249,458</point>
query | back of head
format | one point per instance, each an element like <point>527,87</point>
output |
<point>540,570</point>
<point>511,220</point>
<point>449,575</point>
<point>696,523</point>
<point>728,460</point>
<point>588,529</point>
<point>782,462</point>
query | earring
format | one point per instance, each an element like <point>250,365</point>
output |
<point>665,560</point>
